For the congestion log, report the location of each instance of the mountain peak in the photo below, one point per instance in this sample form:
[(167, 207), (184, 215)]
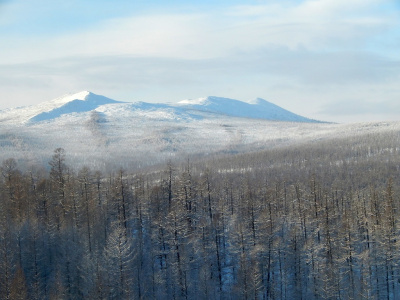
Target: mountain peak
[(209, 102), (257, 101), (198, 101), (83, 101), (83, 95), (255, 109)]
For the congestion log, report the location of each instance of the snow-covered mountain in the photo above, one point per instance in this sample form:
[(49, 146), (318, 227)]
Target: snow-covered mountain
[(256, 109), (68, 104), (77, 103), (86, 101), (103, 133)]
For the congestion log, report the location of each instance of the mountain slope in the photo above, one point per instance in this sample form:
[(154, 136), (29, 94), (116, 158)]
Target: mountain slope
[(103, 133), (187, 109), (77, 103), (257, 109), (72, 103)]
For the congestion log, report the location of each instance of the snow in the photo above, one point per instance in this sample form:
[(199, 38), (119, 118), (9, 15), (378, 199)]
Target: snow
[(70, 103), (78, 103), (100, 132), (256, 101), (86, 101), (256, 109), (199, 101)]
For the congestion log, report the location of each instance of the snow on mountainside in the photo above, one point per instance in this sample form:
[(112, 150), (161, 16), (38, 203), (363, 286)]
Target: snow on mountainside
[(86, 101), (77, 103), (103, 133), (256, 109), (72, 103)]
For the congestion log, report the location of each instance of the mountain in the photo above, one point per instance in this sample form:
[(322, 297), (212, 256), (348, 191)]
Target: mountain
[(77, 103), (102, 133), (86, 101), (257, 109), (72, 103)]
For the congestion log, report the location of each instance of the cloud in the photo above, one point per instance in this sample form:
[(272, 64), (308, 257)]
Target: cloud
[(265, 74), (305, 54), (301, 66), (315, 25)]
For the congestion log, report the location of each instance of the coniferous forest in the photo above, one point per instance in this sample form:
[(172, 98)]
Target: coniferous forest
[(313, 221)]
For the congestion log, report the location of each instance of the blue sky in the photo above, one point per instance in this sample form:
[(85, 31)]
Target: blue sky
[(335, 60)]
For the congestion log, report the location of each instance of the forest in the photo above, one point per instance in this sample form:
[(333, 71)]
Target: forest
[(309, 221)]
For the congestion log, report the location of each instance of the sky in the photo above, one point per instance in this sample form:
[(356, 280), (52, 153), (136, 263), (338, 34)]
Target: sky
[(331, 60)]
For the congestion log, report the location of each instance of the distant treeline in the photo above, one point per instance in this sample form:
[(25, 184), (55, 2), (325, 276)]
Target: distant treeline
[(317, 221)]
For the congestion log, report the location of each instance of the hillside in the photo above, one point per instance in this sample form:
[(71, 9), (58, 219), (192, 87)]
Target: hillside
[(103, 133), (151, 201), (305, 221)]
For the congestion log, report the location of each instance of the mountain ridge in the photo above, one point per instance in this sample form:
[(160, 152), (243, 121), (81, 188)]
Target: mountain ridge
[(70, 103), (102, 133), (257, 109), (80, 102), (86, 101)]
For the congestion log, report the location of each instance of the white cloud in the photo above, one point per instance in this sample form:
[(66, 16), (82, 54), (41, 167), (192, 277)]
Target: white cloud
[(316, 25), (303, 56)]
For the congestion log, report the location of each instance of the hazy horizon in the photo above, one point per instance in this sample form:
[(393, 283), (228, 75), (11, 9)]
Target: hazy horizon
[(327, 60)]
